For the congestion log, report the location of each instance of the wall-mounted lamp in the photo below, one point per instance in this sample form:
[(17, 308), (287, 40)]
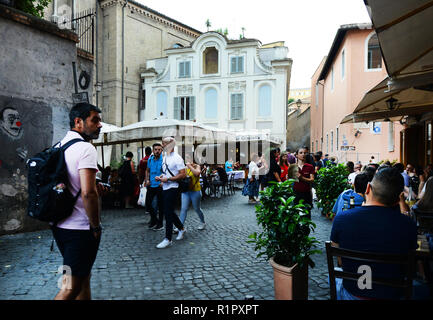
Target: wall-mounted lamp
[(391, 102), (298, 103), (357, 133)]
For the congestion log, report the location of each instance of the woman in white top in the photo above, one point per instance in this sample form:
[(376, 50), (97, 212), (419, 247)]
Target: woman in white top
[(251, 188)]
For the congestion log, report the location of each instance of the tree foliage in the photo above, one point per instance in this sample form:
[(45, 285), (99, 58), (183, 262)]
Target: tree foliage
[(33, 7), (286, 227), (330, 182)]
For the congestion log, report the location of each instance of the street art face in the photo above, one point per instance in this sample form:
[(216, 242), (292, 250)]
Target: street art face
[(10, 122)]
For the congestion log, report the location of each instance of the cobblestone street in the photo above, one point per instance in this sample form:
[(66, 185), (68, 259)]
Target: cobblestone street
[(216, 263)]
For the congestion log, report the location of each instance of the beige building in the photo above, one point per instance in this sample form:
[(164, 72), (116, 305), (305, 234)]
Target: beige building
[(353, 66), (301, 93), (128, 34)]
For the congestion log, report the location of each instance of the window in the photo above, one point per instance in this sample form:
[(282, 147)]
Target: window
[(185, 69), (211, 103), (336, 146), (184, 108), (161, 104), (236, 106), (332, 78), (143, 99), (265, 100), (237, 65), (343, 64), (327, 143), (332, 141), (210, 60), (374, 57), (317, 95)]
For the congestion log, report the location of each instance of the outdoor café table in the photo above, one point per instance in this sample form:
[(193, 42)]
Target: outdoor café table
[(239, 175)]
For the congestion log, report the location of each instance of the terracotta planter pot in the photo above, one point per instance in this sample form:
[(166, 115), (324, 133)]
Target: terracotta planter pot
[(290, 283)]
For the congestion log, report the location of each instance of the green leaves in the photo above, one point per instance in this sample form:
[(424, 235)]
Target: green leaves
[(286, 227), (329, 183), (33, 7)]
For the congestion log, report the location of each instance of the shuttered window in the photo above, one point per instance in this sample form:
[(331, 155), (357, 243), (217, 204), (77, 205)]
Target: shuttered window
[(237, 64), (236, 103), (185, 69), (184, 108)]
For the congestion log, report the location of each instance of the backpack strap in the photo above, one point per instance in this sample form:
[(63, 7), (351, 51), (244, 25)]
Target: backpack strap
[(70, 143)]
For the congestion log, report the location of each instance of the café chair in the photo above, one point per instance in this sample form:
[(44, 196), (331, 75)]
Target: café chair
[(406, 260)]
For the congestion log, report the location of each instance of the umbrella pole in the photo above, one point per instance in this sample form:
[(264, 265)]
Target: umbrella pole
[(103, 163)]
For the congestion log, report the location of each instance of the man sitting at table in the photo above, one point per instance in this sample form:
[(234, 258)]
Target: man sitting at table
[(223, 178), (377, 226)]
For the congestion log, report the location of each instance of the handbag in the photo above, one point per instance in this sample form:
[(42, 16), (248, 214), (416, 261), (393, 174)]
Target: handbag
[(142, 197)]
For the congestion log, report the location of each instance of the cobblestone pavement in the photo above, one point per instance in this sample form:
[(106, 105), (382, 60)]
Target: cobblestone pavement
[(216, 263)]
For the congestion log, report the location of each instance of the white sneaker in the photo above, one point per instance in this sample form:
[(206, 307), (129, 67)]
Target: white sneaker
[(202, 226), (181, 234), (175, 230), (164, 244)]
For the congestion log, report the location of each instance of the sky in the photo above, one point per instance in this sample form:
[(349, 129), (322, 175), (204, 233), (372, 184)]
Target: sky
[(307, 27)]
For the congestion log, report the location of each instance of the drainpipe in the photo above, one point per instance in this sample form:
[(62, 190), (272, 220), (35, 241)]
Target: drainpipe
[(96, 51), (323, 112), (123, 67)]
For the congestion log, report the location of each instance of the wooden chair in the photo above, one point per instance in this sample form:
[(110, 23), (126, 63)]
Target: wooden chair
[(424, 221), (406, 260)]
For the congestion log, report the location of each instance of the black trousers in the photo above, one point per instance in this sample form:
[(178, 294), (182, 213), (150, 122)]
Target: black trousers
[(150, 195), (169, 198), (308, 200)]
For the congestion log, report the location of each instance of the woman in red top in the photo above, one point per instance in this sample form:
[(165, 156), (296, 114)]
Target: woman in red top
[(284, 165), (306, 178)]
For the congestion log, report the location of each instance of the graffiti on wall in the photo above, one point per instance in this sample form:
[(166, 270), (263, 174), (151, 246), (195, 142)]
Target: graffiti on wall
[(25, 129)]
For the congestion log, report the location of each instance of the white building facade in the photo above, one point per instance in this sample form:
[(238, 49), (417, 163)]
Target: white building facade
[(228, 84)]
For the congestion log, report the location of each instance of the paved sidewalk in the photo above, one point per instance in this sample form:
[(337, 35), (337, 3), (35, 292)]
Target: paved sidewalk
[(216, 263)]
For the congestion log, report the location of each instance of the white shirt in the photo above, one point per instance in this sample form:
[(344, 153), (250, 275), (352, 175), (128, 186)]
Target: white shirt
[(352, 177), (253, 168), (175, 163)]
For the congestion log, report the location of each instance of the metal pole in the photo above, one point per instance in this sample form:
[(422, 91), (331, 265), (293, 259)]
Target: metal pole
[(75, 76)]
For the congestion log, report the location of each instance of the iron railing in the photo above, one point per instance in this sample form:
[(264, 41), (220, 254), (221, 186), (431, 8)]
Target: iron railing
[(83, 24)]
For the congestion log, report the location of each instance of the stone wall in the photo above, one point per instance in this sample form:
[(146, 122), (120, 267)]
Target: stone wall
[(36, 86), (298, 129)]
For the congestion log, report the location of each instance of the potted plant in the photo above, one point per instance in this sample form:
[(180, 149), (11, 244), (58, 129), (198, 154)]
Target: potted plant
[(285, 240), (330, 182)]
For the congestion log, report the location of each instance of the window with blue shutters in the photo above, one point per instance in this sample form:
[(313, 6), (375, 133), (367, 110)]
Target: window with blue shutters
[(184, 108), (185, 69), (236, 106), (237, 64)]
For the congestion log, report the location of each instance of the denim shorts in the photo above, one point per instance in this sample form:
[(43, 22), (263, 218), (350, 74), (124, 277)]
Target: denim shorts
[(78, 248)]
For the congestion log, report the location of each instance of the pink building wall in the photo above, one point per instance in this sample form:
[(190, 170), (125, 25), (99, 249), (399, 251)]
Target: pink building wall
[(343, 98)]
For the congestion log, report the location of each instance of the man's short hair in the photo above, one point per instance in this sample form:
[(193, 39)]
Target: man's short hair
[(81, 110), (148, 151), (387, 185), (156, 145), (361, 182), (129, 154), (168, 139), (399, 167)]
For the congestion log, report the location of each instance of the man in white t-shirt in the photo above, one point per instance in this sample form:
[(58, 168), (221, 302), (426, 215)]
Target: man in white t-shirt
[(78, 235), (173, 170), (353, 175)]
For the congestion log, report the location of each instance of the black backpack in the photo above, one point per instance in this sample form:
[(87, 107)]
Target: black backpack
[(50, 200)]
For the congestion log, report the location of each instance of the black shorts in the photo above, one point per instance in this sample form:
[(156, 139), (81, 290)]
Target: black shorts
[(78, 248)]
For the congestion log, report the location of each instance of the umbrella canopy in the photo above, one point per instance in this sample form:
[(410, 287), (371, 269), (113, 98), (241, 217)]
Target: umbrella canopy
[(409, 95), (404, 30), (154, 130)]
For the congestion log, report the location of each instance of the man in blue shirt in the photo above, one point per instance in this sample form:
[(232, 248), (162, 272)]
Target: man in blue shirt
[(377, 226), (229, 165), (154, 188), (343, 201)]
